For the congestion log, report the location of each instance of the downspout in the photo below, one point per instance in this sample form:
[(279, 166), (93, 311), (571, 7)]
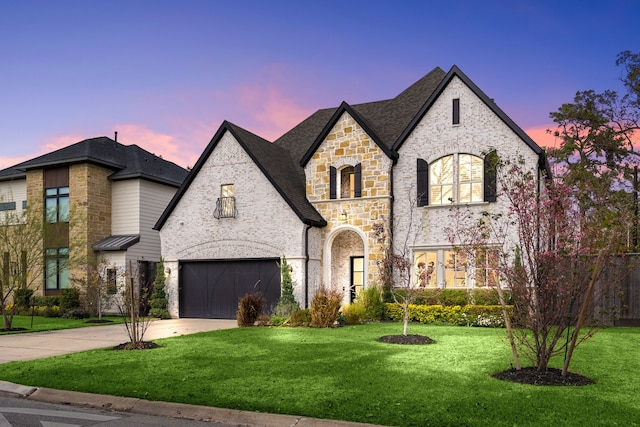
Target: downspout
[(306, 266)]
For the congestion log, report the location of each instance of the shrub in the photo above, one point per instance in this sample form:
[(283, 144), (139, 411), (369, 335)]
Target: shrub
[(48, 301), (249, 309), (77, 313), (371, 300), (300, 318), (454, 297), (69, 298), (22, 298), (354, 314), (469, 315), (158, 301), (325, 307)]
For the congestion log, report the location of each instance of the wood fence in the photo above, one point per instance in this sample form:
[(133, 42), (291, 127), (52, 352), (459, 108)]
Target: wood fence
[(622, 279)]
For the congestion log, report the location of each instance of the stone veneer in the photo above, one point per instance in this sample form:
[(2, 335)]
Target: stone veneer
[(348, 144), (90, 204), (35, 194)]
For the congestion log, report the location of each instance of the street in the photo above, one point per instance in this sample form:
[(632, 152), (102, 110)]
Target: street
[(15, 412)]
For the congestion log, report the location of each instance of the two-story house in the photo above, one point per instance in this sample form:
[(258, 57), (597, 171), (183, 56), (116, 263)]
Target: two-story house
[(317, 194), (100, 200)]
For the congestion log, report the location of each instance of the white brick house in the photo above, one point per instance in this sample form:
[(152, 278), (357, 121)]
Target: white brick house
[(315, 194)]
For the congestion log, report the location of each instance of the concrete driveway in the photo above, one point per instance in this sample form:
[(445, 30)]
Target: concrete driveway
[(54, 343)]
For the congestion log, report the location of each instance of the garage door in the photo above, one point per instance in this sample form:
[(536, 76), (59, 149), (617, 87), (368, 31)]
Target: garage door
[(211, 289)]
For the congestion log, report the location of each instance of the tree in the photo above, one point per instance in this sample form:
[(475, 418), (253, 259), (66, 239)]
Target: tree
[(596, 155), (158, 300), (21, 260), (544, 259), (129, 302)]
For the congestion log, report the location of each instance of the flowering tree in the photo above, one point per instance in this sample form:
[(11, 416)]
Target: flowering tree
[(544, 256)]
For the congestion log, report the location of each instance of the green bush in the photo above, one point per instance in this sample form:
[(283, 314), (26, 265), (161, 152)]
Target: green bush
[(48, 301), (451, 297), (22, 298), (300, 318), (489, 296), (469, 315), (249, 309), (158, 301), (325, 307), (354, 314), (371, 300), (427, 296), (69, 298)]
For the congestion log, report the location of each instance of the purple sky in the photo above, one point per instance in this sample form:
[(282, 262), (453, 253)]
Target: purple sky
[(165, 74)]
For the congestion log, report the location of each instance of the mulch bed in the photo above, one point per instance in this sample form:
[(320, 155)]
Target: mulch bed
[(146, 345), (551, 376), (407, 339)]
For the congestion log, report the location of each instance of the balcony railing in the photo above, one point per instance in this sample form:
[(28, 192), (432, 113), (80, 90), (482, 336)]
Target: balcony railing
[(225, 208)]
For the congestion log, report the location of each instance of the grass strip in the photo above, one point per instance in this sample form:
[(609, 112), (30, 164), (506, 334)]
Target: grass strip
[(41, 323)]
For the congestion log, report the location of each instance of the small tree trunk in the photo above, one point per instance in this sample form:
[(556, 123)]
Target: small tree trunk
[(134, 328), (583, 311), (405, 329), (507, 323)]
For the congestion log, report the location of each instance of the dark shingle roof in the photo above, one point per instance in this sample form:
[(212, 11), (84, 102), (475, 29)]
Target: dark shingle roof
[(388, 122), (127, 161), (273, 161)]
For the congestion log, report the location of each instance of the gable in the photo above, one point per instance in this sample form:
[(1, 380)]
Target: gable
[(274, 164)]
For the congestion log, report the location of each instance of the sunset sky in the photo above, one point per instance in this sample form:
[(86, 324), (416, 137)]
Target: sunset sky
[(165, 74)]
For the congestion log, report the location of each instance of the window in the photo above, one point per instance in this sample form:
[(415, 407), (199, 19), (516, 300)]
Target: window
[(455, 269), (57, 204), (486, 263), (448, 268), (57, 269), (8, 206), (470, 178), (226, 203), (441, 181), (112, 287), (456, 111), (357, 276), (346, 182), (456, 178)]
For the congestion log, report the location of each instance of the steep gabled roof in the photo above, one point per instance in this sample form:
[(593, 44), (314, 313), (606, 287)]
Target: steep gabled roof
[(456, 72), (384, 120), (127, 161), (345, 108), (274, 162)]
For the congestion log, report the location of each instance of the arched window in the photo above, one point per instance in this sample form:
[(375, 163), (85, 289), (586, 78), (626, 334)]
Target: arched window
[(457, 178), (441, 181), (347, 181)]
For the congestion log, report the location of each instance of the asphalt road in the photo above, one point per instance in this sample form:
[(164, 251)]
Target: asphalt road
[(15, 412)]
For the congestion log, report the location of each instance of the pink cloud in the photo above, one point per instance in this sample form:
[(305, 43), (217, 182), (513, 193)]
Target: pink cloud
[(542, 137)]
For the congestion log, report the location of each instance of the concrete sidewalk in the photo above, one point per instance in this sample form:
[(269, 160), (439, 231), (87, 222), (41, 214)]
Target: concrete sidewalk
[(39, 345), (45, 344)]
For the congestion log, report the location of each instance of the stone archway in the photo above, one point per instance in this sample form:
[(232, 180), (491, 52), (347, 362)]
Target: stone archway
[(346, 250)]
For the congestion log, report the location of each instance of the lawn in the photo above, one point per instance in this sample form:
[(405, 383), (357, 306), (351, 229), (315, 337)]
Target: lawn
[(345, 374), (41, 323)]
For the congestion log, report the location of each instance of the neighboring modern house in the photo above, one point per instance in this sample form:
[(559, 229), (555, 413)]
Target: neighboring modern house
[(100, 200), (316, 195)]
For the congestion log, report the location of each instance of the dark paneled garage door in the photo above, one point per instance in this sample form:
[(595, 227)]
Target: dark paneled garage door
[(211, 289)]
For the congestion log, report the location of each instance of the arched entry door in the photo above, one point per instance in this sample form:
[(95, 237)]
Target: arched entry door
[(347, 263)]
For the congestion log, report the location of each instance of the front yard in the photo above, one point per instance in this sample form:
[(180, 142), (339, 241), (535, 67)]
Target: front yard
[(27, 324), (345, 373)]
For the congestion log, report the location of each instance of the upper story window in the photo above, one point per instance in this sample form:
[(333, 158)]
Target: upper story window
[(456, 111), (456, 178), (226, 203), (8, 206), (57, 204), (345, 182)]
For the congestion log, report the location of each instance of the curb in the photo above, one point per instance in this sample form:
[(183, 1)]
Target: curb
[(167, 409)]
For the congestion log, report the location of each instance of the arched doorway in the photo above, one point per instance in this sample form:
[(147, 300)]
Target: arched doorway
[(347, 262)]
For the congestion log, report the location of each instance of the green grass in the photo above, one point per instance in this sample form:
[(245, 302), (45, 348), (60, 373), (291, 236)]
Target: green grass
[(346, 374), (41, 323)]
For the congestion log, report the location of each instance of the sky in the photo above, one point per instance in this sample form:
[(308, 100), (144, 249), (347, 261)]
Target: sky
[(166, 74)]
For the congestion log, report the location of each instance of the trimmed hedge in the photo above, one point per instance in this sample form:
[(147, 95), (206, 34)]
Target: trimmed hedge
[(468, 315)]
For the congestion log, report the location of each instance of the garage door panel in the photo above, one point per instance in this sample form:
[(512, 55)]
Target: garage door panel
[(212, 289)]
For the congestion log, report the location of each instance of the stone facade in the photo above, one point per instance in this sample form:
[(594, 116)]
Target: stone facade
[(347, 144)]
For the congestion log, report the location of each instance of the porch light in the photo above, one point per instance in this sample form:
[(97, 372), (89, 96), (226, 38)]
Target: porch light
[(344, 216)]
